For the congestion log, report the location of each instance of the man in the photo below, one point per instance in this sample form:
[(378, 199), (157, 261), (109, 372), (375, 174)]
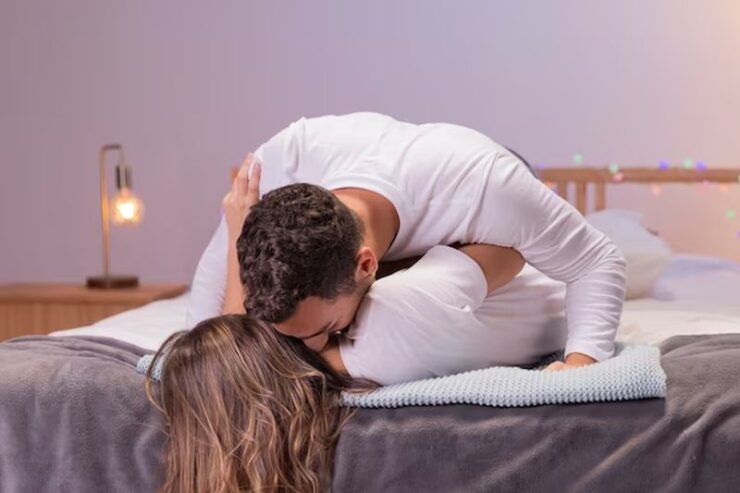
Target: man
[(408, 187)]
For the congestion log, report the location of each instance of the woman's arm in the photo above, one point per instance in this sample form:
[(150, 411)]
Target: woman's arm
[(235, 297), (215, 275), (237, 203), (208, 288)]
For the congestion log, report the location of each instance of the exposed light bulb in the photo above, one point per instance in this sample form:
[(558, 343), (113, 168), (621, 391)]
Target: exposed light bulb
[(127, 208)]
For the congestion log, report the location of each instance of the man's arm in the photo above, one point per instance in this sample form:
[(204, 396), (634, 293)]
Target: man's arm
[(552, 236)]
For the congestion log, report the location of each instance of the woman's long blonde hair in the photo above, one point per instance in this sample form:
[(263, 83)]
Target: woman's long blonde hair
[(246, 409)]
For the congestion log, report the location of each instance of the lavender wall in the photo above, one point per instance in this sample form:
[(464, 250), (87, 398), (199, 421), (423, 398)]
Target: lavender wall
[(188, 87)]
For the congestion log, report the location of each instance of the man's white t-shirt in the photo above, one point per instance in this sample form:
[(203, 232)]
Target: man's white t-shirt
[(448, 184), (435, 319)]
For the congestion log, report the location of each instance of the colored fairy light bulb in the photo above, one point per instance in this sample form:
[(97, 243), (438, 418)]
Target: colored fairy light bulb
[(664, 165), (701, 166), (687, 163), (617, 176), (730, 214), (577, 158), (655, 189), (613, 168)]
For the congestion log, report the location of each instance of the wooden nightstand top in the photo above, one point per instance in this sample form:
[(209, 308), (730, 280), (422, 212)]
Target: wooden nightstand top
[(79, 293)]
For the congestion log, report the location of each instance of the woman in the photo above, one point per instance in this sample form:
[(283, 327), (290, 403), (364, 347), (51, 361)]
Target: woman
[(247, 409)]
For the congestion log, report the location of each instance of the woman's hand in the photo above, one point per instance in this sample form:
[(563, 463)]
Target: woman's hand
[(244, 193)]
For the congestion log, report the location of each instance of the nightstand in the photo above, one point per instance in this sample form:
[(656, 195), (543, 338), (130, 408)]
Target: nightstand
[(27, 309)]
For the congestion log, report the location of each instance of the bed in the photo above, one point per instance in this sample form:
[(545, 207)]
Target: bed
[(688, 442)]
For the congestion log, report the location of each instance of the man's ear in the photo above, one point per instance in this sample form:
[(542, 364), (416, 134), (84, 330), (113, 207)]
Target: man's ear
[(366, 263)]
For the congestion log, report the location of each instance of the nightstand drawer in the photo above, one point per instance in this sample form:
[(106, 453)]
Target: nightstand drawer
[(27, 309)]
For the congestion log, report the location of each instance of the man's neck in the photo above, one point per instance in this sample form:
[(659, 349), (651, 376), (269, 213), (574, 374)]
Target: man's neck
[(378, 215)]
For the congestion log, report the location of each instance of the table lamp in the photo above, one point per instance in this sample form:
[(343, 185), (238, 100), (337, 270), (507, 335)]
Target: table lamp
[(127, 210)]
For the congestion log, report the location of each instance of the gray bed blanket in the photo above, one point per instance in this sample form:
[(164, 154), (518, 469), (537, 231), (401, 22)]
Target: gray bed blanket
[(689, 442), (73, 417)]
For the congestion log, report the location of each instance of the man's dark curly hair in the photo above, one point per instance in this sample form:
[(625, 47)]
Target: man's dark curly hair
[(297, 241)]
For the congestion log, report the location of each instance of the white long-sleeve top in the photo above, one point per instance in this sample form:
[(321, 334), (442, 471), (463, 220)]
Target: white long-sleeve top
[(448, 184)]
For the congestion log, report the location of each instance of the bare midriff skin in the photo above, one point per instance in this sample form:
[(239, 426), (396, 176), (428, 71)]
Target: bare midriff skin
[(381, 224)]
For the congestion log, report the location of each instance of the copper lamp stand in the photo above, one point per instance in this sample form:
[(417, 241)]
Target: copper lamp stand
[(123, 178)]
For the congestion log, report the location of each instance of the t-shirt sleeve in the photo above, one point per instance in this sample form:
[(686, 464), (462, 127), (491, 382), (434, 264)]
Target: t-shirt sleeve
[(449, 276), (208, 288), (555, 238)]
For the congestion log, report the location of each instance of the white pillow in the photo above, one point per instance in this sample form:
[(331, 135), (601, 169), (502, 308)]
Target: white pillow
[(647, 255)]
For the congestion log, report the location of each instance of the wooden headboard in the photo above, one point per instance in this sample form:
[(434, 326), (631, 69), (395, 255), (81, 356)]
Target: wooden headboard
[(559, 180)]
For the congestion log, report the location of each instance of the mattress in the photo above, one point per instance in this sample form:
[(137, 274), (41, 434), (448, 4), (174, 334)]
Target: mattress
[(695, 295)]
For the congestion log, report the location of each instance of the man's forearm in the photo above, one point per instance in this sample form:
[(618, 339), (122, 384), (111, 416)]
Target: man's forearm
[(234, 299)]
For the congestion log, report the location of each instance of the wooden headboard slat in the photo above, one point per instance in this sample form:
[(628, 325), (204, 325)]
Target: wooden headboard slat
[(600, 197), (559, 178), (581, 196), (639, 175)]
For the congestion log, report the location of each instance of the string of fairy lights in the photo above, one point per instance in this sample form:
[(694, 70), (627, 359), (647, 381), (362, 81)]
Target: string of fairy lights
[(655, 189)]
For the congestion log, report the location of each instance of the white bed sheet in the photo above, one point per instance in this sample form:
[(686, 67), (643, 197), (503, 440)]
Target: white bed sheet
[(695, 295), (147, 326)]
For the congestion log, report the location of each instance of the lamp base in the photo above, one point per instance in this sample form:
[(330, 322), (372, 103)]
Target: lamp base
[(112, 282)]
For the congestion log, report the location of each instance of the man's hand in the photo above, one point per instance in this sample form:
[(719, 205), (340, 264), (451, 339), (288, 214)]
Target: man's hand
[(244, 193), (573, 360)]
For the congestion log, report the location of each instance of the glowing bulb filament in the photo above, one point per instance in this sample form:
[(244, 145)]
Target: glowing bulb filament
[(127, 208)]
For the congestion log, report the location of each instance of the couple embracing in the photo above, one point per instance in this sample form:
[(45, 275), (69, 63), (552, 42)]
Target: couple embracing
[(359, 250)]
